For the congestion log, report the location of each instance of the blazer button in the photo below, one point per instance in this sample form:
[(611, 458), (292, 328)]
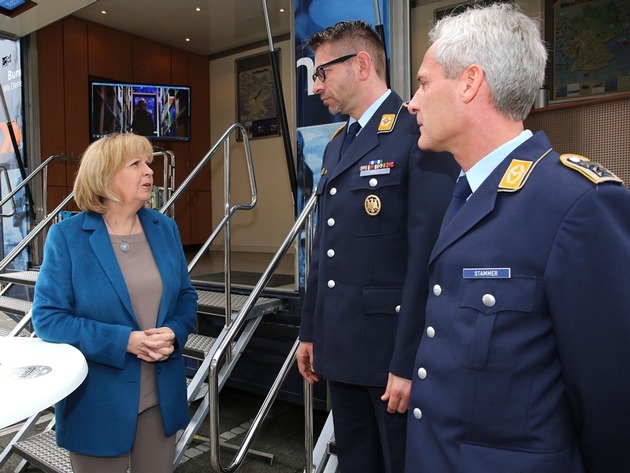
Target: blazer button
[(430, 332), (422, 373), (437, 290), (330, 253), (488, 300), (332, 191), (417, 413), (331, 283), (373, 182), (331, 222), (397, 309)]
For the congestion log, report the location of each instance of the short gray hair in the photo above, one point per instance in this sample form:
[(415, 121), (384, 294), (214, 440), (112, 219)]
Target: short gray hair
[(507, 45)]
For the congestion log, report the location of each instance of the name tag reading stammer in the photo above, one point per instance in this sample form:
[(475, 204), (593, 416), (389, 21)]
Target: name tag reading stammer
[(487, 273)]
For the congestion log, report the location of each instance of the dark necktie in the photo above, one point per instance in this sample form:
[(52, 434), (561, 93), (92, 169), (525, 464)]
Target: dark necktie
[(349, 138), (460, 194)]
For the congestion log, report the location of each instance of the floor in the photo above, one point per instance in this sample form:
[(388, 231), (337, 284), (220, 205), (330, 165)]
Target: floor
[(281, 438)]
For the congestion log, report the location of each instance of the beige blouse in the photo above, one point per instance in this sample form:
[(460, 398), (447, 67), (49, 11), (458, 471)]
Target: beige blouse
[(144, 284)]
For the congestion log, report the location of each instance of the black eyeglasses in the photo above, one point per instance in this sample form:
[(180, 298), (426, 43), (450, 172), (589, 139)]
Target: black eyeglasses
[(320, 71)]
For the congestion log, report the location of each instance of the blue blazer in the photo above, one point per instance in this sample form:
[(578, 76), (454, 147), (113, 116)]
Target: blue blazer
[(81, 299), (527, 370), (356, 311)]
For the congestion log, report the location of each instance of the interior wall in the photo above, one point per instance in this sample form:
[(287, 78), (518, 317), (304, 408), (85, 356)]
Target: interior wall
[(596, 129), (264, 228), (421, 19)]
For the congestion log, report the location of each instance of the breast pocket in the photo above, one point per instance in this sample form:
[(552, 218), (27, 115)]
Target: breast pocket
[(378, 202), (490, 324)]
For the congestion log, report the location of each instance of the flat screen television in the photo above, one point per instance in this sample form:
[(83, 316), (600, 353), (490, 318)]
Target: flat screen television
[(159, 112)]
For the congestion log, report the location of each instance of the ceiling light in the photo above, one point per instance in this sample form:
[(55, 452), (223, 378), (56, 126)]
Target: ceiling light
[(104, 12), (198, 9), (188, 40)]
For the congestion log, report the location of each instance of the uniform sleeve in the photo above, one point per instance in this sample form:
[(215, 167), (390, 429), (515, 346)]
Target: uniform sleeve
[(588, 285), (310, 296)]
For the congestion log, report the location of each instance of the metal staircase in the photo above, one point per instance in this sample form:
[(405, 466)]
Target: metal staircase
[(215, 357)]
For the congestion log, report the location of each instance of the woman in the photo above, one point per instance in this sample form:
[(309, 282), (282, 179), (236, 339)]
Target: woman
[(114, 283)]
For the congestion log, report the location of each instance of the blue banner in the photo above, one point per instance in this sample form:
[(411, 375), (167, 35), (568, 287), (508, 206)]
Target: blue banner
[(315, 125)]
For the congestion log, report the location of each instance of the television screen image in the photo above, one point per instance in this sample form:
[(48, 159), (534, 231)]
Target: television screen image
[(158, 112)]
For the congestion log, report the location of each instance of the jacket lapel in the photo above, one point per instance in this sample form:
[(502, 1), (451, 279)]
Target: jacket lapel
[(480, 204), (367, 139), (483, 200), (102, 248)]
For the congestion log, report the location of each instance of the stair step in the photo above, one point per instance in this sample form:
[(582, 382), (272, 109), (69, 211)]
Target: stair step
[(25, 278), (41, 451), (15, 306), (6, 331), (213, 303), (198, 346)]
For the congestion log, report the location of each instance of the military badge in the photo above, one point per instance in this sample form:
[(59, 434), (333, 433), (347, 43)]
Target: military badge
[(515, 176), (372, 205), (595, 172), (387, 122)]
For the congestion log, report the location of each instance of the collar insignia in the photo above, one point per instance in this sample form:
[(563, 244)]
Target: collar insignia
[(387, 122), (516, 175)]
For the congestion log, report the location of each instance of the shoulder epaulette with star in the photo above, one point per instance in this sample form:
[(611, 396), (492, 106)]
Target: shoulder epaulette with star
[(593, 171)]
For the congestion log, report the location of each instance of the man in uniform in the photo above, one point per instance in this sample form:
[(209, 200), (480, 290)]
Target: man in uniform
[(380, 205), (523, 366)]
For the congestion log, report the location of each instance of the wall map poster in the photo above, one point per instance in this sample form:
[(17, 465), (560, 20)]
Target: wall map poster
[(256, 96), (591, 47)]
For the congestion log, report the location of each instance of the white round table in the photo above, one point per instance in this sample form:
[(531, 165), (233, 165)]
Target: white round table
[(35, 374)]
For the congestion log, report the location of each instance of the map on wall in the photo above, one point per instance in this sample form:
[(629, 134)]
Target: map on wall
[(591, 47), (256, 97)]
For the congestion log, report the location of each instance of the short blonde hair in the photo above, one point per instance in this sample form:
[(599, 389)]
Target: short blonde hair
[(99, 164)]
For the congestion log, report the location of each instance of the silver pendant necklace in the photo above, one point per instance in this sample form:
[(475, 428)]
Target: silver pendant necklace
[(124, 246)]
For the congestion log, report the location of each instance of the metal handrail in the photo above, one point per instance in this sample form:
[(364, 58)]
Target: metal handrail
[(224, 344), (168, 178), (33, 233), (5, 174), (230, 209)]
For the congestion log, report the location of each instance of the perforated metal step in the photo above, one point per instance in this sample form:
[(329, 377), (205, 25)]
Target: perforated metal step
[(15, 306), (25, 278), (198, 346), (213, 303), (5, 331), (41, 451)]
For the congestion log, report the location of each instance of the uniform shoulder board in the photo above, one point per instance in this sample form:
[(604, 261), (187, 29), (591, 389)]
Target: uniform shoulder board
[(340, 130), (595, 172)]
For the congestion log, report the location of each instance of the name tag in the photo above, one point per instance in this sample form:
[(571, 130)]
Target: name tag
[(487, 273)]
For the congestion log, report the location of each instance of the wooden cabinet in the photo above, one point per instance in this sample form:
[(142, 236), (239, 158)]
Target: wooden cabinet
[(73, 50)]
